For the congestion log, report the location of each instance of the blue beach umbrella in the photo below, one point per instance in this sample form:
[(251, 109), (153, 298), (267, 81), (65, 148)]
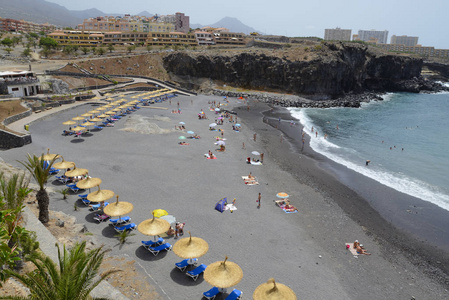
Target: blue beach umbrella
[(190, 132), (182, 137), (238, 125)]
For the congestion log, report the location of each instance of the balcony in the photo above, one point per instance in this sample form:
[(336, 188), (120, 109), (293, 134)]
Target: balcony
[(21, 81)]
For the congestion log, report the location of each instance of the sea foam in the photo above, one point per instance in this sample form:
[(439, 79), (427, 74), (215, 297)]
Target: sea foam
[(395, 180)]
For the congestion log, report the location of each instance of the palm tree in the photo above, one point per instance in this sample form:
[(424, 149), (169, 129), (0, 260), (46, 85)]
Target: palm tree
[(74, 278), (40, 170), (13, 191)]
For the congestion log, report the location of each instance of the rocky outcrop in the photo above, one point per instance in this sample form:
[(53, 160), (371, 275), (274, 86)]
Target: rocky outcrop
[(58, 86), (438, 71), (337, 70), (349, 100)]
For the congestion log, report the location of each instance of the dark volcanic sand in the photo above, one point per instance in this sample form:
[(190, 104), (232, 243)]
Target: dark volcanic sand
[(400, 223)]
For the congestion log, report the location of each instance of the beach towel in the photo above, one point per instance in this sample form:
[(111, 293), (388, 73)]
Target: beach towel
[(351, 248), (249, 182), (290, 211), (230, 206), (256, 163)]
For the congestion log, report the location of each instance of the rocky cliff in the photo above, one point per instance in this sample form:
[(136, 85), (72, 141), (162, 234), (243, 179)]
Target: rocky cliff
[(332, 70)]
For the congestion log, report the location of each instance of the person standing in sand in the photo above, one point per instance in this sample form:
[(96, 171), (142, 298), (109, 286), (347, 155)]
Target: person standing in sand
[(258, 200), (255, 135)]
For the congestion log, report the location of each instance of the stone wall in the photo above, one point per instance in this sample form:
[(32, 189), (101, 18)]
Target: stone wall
[(10, 140), (17, 117)]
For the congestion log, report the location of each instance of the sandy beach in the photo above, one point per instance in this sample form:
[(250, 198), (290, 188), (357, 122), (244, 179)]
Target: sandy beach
[(304, 250)]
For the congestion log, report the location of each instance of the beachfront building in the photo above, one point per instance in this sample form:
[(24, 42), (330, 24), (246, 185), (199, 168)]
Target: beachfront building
[(127, 23), (12, 25), (124, 38), (229, 38), (171, 39), (204, 38), (405, 40), (154, 26), (418, 49), (19, 83), (79, 38), (370, 36), (337, 34), (180, 21)]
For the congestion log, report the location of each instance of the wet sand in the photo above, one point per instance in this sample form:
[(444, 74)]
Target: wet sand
[(305, 251)]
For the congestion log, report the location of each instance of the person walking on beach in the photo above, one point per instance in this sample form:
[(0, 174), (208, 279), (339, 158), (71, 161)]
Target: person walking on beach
[(258, 201), (243, 146), (255, 135)]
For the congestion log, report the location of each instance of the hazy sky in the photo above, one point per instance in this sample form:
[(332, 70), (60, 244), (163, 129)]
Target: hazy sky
[(425, 19)]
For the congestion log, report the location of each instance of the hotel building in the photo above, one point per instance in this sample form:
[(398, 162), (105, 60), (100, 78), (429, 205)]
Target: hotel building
[(410, 41), (373, 35), (79, 38), (425, 51), (11, 25), (337, 34)]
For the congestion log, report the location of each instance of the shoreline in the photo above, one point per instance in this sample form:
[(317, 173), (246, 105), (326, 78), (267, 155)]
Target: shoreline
[(381, 210)]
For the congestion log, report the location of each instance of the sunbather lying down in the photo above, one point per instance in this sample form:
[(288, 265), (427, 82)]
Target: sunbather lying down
[(282, 202), (183, 143), (359, 248)]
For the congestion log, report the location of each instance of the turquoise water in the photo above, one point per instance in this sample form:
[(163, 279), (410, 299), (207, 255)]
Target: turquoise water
[(406, 138)]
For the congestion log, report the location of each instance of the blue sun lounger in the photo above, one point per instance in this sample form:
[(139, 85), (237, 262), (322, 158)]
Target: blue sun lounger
[(73, 187), (156, 250), (62, 179), (153, 243), (53, 171), (196, 272), (130, 226), (234, 295), (97, 206), (120, 221), (182, 265), (210, 294)]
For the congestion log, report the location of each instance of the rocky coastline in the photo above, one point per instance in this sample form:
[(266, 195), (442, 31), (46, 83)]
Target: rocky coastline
[(354, 100), (333, 75)]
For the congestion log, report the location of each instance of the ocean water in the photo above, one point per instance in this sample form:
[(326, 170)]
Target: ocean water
[(405, 137)]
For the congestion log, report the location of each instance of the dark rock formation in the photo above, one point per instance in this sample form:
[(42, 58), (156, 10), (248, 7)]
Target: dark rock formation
[(338, 69), (439, 71)]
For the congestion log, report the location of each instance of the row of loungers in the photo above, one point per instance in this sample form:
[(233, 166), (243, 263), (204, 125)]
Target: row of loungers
[(213, 292)]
